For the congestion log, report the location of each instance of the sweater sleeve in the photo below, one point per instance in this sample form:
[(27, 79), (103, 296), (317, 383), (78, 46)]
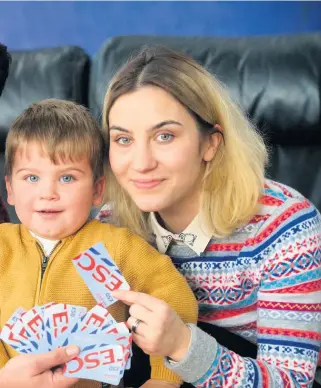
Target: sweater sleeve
[(3, 355), (146, 270), (288, 313)]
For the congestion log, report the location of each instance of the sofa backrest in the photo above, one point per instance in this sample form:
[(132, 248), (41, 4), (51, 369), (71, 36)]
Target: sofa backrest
[(276, 79), (35, 75)]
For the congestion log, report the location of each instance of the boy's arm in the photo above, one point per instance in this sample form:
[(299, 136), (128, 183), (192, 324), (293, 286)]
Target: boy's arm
[(4, 358), (146, 270)]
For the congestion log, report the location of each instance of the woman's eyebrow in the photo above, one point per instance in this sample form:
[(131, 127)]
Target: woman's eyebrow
[(156, 126), (166, 122), (117, 128)]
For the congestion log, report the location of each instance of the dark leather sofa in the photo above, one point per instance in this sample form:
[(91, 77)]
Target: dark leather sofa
[(276, 79)]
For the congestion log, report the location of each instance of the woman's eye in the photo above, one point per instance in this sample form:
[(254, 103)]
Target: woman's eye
[(32, 178), (165, 137), (123, 140), (66, 178)]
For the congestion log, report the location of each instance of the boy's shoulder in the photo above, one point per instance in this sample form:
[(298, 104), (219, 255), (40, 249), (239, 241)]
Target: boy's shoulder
[(8, 229), (108, 231)]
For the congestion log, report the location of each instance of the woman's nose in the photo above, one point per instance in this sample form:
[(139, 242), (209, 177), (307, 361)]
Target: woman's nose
[(143, 159)]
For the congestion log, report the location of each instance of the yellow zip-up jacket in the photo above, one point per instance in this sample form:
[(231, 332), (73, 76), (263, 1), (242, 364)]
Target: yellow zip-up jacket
[(145, 270)]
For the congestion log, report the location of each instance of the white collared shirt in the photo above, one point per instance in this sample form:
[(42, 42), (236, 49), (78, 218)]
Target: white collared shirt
[(195, 236)]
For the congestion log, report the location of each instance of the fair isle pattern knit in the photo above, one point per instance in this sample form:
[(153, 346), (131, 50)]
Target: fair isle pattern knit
[(264, 284)]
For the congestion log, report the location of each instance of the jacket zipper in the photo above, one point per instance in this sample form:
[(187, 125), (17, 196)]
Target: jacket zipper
[(45, 259)]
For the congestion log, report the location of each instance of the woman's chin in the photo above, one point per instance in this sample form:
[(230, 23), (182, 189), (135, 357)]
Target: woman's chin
[(149, 206)]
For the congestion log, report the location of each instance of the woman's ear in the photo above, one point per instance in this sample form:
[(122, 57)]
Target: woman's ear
[(213, 142), (99, 191)]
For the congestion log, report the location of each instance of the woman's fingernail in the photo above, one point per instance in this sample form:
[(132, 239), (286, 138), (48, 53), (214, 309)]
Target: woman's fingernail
[(72, 350)]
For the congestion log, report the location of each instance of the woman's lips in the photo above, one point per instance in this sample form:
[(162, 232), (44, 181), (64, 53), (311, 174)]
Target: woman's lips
[(147, 184)]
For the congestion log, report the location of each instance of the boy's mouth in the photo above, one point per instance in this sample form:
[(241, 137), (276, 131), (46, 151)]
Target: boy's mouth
[(49, 211)]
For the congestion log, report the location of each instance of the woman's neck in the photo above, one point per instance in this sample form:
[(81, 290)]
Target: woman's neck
[(177, 218)]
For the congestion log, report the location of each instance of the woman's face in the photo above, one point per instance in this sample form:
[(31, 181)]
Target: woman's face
[(156, 151)]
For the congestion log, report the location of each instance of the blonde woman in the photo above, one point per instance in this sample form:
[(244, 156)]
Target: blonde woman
[(186, 171)]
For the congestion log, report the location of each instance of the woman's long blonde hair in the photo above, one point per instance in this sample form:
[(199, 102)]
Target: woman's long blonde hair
[(233, 181)]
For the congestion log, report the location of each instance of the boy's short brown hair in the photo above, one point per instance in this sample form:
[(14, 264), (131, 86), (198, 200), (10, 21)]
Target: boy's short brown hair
[(65, 130)]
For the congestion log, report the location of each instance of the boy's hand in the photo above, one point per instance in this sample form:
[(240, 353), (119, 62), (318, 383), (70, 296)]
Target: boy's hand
[(153, 383), (35, 371)]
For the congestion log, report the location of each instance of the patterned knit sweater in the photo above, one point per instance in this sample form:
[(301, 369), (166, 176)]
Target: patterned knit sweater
[(264, 284)]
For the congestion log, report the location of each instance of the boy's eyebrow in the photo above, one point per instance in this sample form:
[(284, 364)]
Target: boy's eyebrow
[(70, 169), (67, 169), (27, 169), (157, 126)]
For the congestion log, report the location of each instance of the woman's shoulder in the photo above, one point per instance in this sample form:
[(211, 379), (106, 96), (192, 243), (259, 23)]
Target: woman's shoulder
[(278, 197), (106, 214), (281, 204)]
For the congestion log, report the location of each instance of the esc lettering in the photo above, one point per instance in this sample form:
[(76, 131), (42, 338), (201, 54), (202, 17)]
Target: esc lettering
[(91, 360), (99, 272)]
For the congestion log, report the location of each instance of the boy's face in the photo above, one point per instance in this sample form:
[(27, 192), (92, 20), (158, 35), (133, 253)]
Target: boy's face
[(52, 200)]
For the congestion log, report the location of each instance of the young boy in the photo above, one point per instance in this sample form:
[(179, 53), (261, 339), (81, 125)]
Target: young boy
[(54, 175)]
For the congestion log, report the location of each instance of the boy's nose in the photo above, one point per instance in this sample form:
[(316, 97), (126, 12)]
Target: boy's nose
[(49, 191)]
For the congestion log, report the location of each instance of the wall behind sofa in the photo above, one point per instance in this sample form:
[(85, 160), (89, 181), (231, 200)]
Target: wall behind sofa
[(27, 25)]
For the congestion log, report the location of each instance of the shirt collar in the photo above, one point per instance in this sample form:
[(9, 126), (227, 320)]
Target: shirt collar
[(194, 236)]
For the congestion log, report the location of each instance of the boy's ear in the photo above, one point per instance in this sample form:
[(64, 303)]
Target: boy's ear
[(10, 196), (99, 191)]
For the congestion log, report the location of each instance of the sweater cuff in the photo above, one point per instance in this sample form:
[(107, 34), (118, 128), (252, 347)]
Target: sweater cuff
[(160, 372), (199, 358)]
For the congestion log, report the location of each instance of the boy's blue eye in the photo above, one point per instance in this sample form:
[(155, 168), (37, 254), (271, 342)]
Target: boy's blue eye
[(33, 178), (66, 178)]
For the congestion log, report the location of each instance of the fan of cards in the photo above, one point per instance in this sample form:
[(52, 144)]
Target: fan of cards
[(105, 344)]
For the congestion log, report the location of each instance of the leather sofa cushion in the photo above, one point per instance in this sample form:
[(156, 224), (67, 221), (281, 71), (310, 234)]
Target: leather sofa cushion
[(35, 75)]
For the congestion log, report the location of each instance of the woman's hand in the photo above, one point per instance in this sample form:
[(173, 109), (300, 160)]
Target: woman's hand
[(35, 371), (160, 331)]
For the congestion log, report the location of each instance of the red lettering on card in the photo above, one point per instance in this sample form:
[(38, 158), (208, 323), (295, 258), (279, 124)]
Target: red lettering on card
[(79, 367), (92, 264), (101, 278), (114, 283), (35, 323), (90, 358), (12, 338), (97, 320), (109, 357), (60, 318)]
